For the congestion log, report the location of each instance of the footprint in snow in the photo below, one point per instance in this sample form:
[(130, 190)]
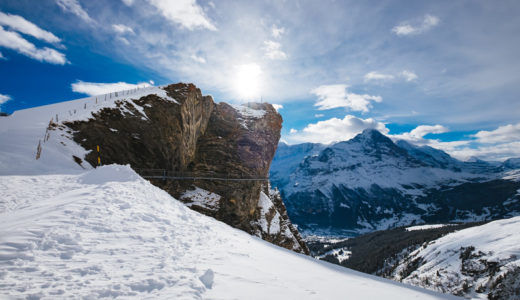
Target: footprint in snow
[(207, 278)]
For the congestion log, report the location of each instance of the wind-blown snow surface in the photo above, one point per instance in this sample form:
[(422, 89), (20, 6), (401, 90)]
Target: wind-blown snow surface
[(107, 233)]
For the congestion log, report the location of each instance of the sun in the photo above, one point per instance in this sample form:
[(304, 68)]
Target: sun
[(247, 81)]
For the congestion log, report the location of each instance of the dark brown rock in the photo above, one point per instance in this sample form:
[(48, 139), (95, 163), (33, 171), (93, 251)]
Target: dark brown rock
[(198, 137)]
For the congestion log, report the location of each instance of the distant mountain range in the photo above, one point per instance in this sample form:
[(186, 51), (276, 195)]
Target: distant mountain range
[(371, 183)]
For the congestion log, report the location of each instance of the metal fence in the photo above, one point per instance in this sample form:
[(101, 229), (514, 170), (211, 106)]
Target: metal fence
[(174, 175)]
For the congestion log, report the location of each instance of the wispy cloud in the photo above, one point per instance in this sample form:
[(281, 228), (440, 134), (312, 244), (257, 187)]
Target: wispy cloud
[(277, 32), (95, 88), (128, 2), (14, 41), (408, 75), (273, 50), (334, 130), (122, 29), (374, 75), (186, 13), (74, 7), (21, 25), (2, 56), (416, 27), (198, 59), (336, 95), (4, 99)]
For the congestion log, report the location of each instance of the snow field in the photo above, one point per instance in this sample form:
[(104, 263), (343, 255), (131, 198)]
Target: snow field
[(108, 233)]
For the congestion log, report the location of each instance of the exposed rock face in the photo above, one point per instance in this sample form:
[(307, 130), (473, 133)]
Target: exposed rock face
[(190, 134)]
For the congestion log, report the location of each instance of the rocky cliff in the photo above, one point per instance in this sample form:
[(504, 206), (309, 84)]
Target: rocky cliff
[(192, 137)]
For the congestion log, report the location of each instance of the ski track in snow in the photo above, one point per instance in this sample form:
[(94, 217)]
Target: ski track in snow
[(109, 233)]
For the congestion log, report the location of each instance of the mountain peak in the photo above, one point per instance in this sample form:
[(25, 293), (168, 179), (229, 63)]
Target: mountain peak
[(373, 136)]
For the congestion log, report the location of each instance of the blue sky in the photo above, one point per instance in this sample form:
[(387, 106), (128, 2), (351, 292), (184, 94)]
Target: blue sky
[(437, 73)]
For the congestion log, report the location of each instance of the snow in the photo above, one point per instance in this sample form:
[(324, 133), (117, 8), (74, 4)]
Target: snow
[(442, 263), (249, 112), (341, 254), (21, 132), (202, 198), (109, 233), (425, 227), (271, 226)]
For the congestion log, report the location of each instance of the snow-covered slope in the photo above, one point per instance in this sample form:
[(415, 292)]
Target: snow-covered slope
[(478, 262), (21, 132), (108, 233)]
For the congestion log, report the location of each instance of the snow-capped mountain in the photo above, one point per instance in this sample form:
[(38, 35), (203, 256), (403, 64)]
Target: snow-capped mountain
[(473, 260), (478, 262), (371, 183)]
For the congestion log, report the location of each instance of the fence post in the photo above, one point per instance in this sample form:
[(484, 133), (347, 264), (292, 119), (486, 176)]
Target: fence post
[(98, 157)]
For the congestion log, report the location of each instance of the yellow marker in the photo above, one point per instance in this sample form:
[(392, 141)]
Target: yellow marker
[(99, 160), (97, 148)]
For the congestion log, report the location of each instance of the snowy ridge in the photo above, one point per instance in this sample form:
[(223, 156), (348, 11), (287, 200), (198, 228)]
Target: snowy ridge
[(109, 233), (424, 227), (24, 130), (468, 262)]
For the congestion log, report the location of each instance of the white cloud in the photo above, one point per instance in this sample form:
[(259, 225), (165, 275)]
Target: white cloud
[(12, 40), (21, 25), (185, 13), (499, 152), (408, 75), (94, 88), (414, 28), (198, 59), (333, 130), (417, 134), (277, 106), (334, 96), (502, 134), (74, 7), (4, 99), (2, 56), (277, 32), (122, 29), (377, 76), (292, 131), (128, 2), (319, 115), (494, 145), (273, 50), (123, 40)]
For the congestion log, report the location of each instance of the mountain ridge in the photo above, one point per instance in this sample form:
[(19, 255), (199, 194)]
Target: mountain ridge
[(371, 183)]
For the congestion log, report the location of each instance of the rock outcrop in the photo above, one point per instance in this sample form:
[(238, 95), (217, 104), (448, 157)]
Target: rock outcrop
[(191, 136)]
